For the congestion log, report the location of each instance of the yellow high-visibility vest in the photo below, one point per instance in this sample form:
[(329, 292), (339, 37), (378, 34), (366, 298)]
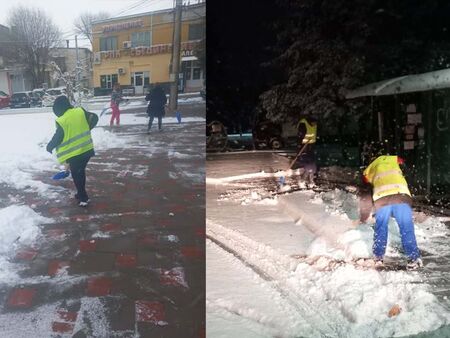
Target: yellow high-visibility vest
[(77, 135), (386, 177), (311, 131)]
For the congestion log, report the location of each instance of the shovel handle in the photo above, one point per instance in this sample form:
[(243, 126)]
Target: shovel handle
[(298, 154)]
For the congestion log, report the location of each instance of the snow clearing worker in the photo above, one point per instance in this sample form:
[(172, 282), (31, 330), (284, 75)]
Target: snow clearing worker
[(156, 106), (307, 135), (391, 197), (73, 142)]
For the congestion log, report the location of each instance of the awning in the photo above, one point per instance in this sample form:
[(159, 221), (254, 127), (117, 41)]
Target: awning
[(439, 79), (189, 58)]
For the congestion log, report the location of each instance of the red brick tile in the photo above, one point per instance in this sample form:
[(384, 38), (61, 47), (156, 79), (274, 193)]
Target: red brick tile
[(99, 206), (150, 312), (55, 233), (126, 261), (26, 254), (146, 203), (87, 245), (55, 266), (164, 222), (55, 211), (192, 252), (173, 277), (111, 227), (79, 218), (178, 208), (68, 316), (62, 327), (99, 286), (147, 239), (21, 298)]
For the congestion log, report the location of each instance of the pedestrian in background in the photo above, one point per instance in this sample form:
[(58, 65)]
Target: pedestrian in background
[(156, 107), (391, 197), (116, 99), (73, 142)]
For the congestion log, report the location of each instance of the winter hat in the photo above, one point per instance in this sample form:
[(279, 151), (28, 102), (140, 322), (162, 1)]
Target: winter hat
[(60, 105)]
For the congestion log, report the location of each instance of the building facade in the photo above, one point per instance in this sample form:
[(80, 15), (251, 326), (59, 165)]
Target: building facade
[(136, 51)]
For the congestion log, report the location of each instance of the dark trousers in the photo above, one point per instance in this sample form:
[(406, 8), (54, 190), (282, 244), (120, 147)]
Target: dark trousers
[(78, 170), (150, 122)]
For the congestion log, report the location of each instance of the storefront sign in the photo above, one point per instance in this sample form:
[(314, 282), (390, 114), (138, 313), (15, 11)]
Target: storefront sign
[(111, 54), (123, 26), (156, 49), (187, 53)]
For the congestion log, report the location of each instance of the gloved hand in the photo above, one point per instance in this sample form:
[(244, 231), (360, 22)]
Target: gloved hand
[(49, 149)]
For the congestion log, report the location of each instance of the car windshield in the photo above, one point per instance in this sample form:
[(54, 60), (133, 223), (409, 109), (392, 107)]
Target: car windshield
[(54, 92), (3, 93), (19, 95)]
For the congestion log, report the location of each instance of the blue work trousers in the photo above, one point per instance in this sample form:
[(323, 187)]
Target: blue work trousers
[(402, 213)]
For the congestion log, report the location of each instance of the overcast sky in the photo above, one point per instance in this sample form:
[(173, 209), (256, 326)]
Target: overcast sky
[(64, 12)]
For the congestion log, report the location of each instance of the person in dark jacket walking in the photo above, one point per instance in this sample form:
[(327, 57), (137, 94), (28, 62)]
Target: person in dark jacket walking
[(155, 108), (73, 143)]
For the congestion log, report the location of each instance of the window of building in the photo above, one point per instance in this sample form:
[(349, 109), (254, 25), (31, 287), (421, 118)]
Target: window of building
[(108, 81), (196, 31), (193, 70), (139, 39), (109, 43)]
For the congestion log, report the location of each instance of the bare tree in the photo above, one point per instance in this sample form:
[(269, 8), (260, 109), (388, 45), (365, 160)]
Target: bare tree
[(83, 24), (34, 35)]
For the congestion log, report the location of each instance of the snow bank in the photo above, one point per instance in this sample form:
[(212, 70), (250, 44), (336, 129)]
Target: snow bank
[(337, 300), (18, 226)]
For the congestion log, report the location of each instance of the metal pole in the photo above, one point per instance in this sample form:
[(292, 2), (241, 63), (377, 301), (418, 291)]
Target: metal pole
[(176, 47), (429, 124)]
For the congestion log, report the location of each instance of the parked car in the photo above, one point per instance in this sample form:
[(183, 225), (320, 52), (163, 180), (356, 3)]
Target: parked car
[(20, 100), (4, 99), (36, 97), (51, 94)]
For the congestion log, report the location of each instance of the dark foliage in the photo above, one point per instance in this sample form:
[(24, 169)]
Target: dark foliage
[(318, 49)]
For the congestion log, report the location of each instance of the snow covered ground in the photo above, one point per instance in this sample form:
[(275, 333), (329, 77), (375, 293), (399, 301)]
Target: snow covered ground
[(23, 157), (276, 264)]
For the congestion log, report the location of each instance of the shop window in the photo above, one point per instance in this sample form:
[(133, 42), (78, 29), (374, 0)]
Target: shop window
[(196, 74), (193, 70), (196, 31), (108, 81), (109, 43), (141, 39), (140, 78)]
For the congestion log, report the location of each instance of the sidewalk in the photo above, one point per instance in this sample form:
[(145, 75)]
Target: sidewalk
[(132, 263)]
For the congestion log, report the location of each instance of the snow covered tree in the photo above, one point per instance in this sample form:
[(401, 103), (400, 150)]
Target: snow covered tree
[(326, 47), (34, 34), (83, 24), (74, 89)]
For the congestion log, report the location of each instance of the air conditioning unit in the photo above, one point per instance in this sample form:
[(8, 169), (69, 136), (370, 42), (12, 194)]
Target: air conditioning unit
[(121, 71), (127, 44)]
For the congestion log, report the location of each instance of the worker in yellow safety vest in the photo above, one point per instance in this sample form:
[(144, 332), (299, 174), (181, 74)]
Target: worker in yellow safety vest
[(307, 135), (391, 197), (73, 142)]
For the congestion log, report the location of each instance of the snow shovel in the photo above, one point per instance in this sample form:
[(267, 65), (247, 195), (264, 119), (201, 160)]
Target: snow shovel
[(298, 155), (62, 174)]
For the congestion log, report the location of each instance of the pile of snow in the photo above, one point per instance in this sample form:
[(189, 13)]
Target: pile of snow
[(18, 227), (344, 301)]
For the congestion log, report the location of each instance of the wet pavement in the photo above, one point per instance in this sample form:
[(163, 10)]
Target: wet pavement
[(131, 264)]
